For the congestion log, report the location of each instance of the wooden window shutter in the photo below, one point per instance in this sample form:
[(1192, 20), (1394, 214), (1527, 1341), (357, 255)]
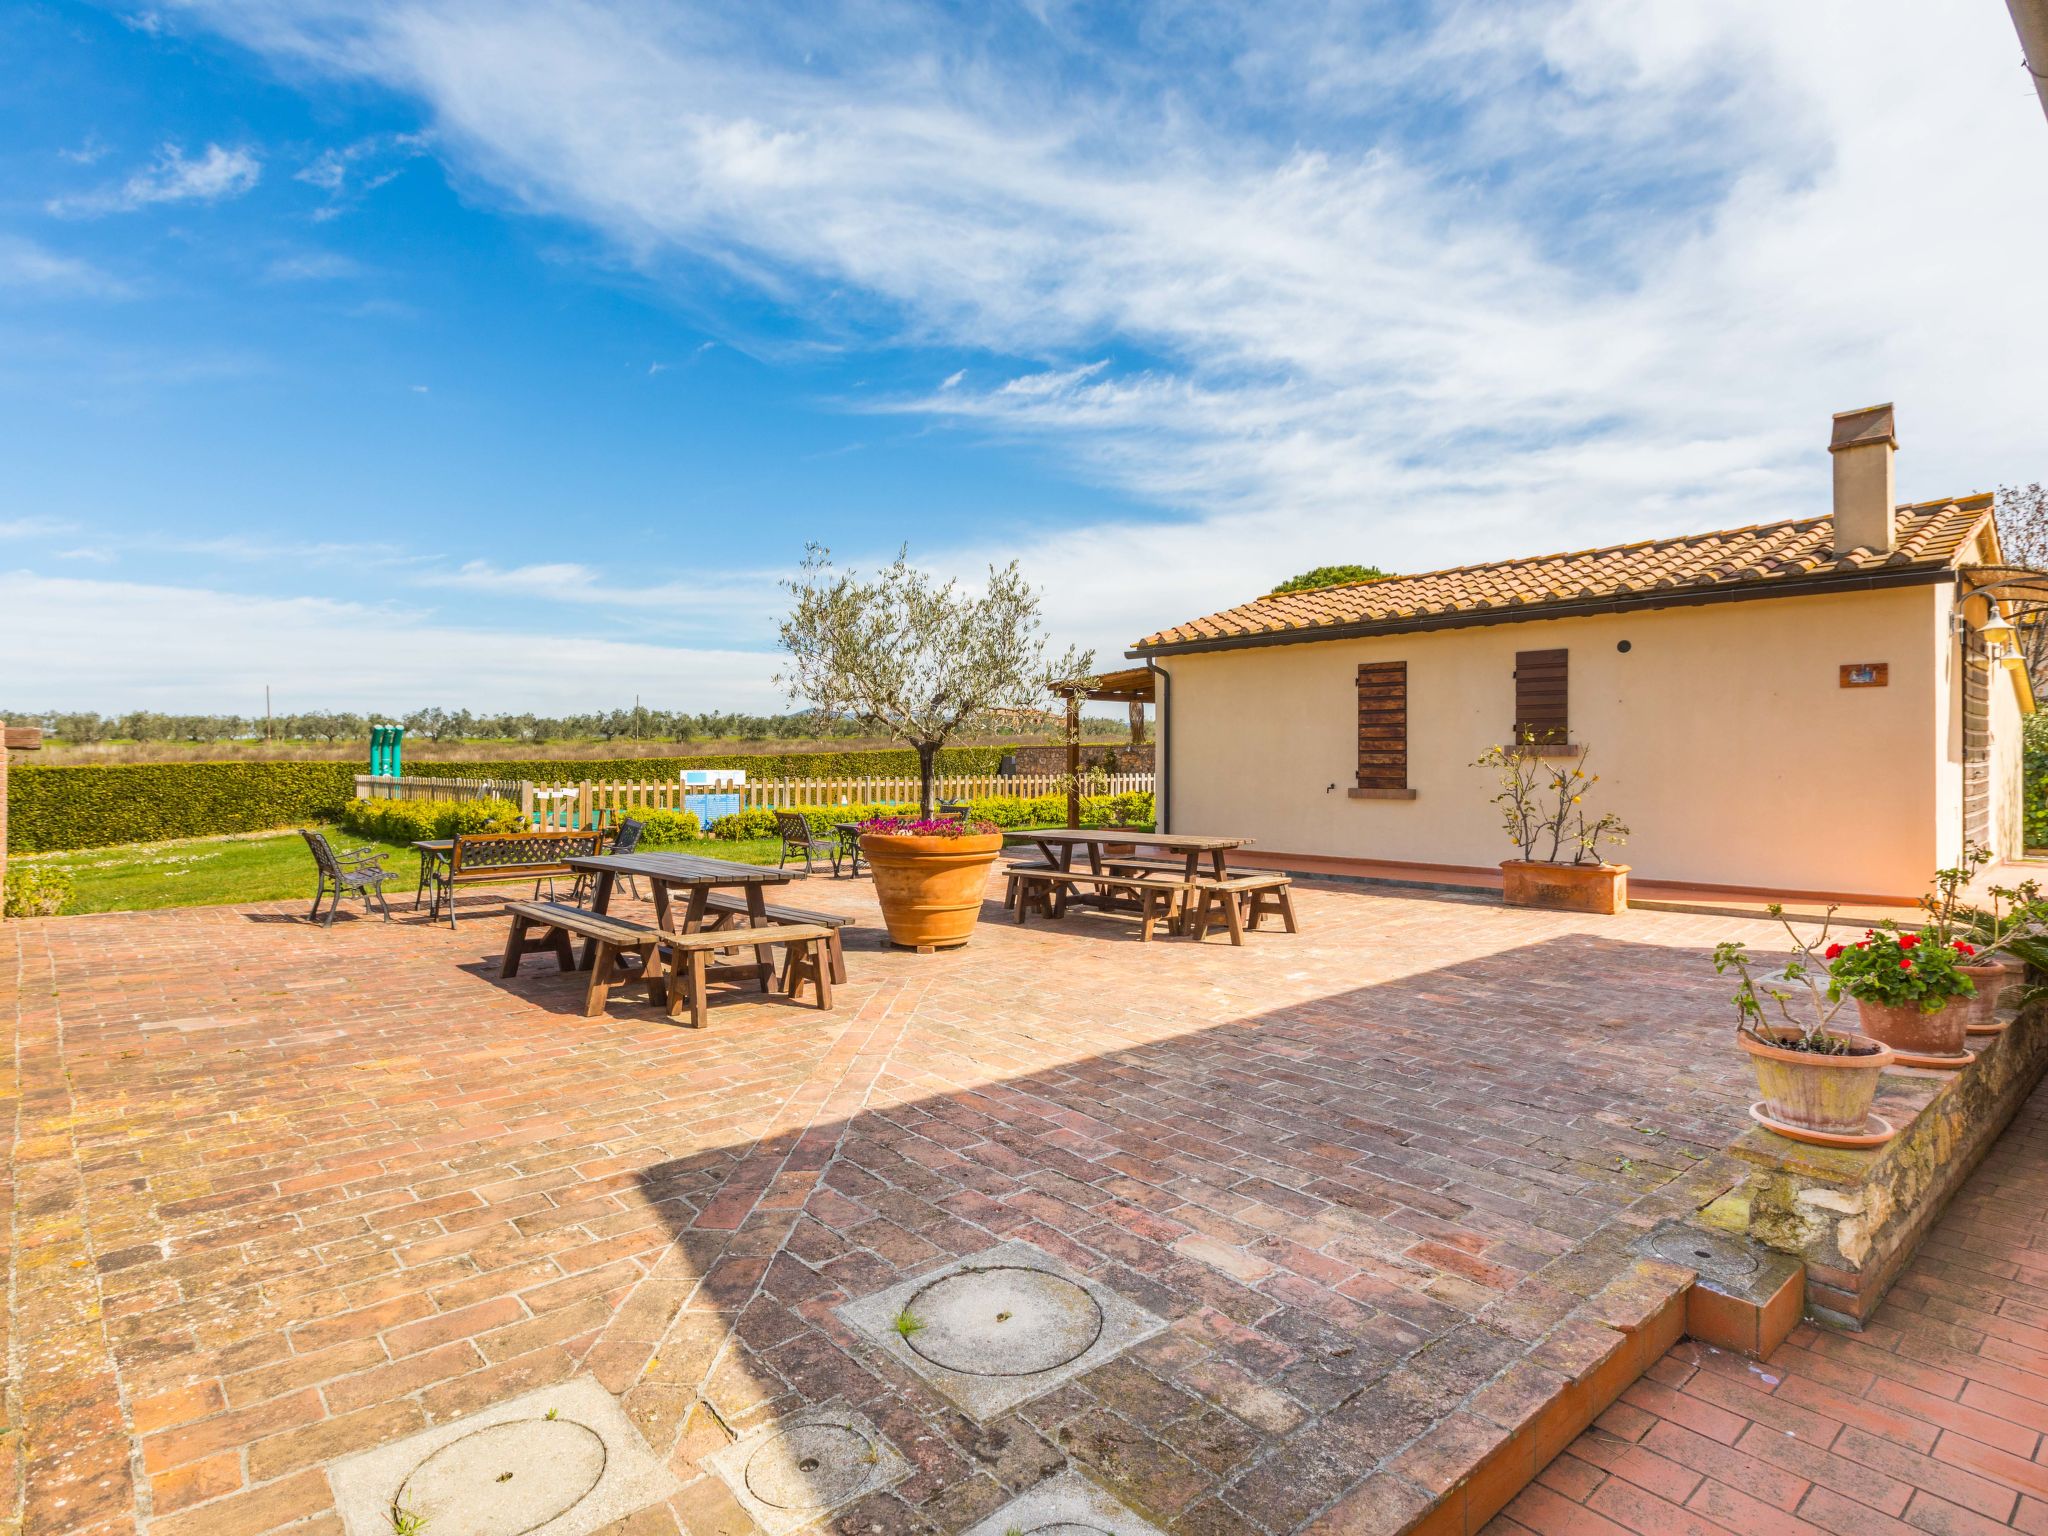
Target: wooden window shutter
[(1383, 725), (1542, 697)]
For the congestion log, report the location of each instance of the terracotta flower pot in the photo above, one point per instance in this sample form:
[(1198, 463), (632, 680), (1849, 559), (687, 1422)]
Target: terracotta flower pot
[(1903, 1027), (1815, 1092), (930, 887), (1599, 888), (1992, 978)]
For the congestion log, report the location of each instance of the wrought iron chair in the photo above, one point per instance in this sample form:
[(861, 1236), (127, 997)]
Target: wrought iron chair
[(797, 837), (626, 841), (357, 872)]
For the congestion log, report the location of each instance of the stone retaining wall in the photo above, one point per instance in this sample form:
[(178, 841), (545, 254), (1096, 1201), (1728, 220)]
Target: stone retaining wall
[(1855, 1217)]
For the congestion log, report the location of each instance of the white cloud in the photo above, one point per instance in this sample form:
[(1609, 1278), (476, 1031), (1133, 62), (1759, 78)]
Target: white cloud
[(313, 267), (1534, 277), (216, 175), (33, 527), (80, 641), (24, 264)]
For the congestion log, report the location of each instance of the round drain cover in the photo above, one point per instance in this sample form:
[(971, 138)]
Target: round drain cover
[(1067, 1528), (813, 1466), (504, 1480), (1004, 1321), (1706, 1252)]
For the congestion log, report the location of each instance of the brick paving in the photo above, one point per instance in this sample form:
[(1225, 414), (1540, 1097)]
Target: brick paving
[(278, 1195), (1931, 1420)]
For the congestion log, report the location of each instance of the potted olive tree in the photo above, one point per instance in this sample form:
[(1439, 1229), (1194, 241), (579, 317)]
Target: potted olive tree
[(1817, 1082), (1542, 804), (921, 660)]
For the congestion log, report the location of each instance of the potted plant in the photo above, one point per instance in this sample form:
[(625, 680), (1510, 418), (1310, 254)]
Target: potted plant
[(1543, 811), (2013, 922), (1908, 987), (1817, 1082), (930, 876), (917, 658)]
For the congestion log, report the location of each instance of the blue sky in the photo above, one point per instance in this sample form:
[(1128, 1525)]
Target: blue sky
[(506, 354)]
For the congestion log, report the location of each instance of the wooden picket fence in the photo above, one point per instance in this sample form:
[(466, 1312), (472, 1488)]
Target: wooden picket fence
[(380, 787), (596, 802)]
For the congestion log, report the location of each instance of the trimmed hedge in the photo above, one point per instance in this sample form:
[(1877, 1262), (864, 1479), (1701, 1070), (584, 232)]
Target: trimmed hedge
[(95, 805), (408, 821), (1003, 810), (895, 762), (100, 804)]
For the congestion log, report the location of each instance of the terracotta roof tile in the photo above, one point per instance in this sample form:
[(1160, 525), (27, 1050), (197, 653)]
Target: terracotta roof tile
[(1931, 536)]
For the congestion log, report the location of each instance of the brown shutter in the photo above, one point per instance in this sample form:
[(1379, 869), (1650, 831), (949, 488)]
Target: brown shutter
[(1542, 697), (1383, 725)]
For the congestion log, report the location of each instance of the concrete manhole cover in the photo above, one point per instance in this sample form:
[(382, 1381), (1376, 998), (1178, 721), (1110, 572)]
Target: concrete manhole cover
[(557, 1461), (504, 1480), (1002, 1321), (1709, 1253), (792, 1472), (999, 1327), (1066, 1505)]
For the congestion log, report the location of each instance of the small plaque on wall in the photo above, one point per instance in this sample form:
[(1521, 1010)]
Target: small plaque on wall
[(1865, 674)]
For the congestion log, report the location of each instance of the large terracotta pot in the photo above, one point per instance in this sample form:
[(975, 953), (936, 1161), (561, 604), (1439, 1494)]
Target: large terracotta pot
[(930, 887), (1599, 888), (1815, 1092), (1904, 1028), (1980, 1013)]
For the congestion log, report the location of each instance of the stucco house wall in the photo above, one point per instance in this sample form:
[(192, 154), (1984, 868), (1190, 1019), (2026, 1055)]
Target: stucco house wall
[(1722, 736)]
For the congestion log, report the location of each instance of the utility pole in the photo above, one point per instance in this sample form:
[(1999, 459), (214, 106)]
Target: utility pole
[(266, 713)]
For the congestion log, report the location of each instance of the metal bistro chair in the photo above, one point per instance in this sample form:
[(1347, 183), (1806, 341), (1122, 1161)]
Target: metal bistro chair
[(795, 830), (626, 841), (357, 872)]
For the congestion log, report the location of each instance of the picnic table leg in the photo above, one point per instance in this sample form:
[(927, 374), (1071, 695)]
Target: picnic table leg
[(686, 988), (757, 917), (514, 947), (600, 899)]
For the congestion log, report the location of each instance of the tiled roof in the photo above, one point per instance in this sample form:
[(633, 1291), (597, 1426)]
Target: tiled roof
[(1931, 537)]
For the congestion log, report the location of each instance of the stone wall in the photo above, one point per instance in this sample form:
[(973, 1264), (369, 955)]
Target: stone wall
[(1855, 1217)]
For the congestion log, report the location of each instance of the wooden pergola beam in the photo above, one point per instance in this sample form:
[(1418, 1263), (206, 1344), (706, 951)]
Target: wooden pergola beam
[(13, 738)]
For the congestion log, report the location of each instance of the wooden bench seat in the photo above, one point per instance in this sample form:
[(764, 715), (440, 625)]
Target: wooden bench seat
[(728, 907), (1159, 898), (538, 925), (493, 858), (1239, 902), (810, 960)]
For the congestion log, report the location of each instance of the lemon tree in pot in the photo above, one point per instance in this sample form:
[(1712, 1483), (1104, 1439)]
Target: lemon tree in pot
[(1817, 1081), (923, 660), (1543, 811), (1909, 988)]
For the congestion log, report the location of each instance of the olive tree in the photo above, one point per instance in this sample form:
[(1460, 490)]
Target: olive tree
[(916, 658)]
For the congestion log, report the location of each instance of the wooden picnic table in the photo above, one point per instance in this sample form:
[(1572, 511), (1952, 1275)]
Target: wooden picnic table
[(667, 872), (1059, 844)]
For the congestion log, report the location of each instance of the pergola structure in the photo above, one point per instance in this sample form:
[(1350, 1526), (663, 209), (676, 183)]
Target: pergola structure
[(13, 738), (2015, 605), (1135, 685)]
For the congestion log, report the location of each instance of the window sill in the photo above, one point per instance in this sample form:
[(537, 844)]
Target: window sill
[(1555, 749), (1382, 794)]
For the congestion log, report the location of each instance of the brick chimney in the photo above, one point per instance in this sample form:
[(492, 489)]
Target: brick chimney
[(1862, 446)]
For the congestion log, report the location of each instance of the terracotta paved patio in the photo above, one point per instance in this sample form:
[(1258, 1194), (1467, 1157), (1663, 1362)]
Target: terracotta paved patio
[(279, 1195)]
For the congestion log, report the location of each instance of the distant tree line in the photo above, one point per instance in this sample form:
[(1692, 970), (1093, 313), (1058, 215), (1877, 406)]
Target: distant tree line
[(447, 725)]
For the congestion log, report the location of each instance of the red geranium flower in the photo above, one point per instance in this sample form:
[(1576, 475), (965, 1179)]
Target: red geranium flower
[(1860, 944), (1905, 965), (1967, 949), (1908, 940), (1831, 952)]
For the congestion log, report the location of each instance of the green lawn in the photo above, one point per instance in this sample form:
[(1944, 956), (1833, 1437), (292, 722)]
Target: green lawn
[(221, 871)]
